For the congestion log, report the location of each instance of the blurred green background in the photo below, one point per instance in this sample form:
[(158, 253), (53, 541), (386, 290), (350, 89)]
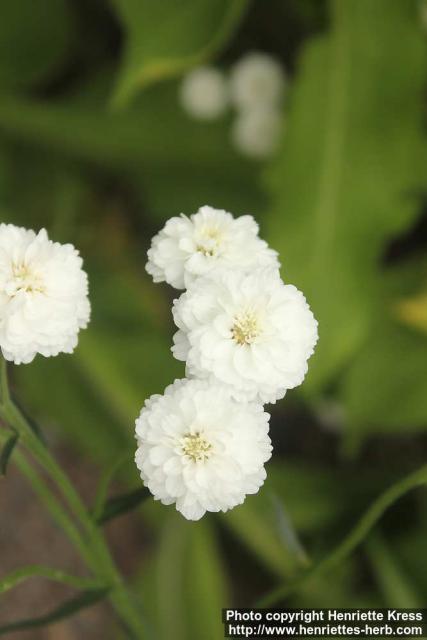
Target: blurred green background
[(95, 147)]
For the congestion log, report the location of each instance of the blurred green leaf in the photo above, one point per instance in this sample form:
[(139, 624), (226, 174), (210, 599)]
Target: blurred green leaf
[(154, 143), (410, 548), (288, 533), (351, 168), (190, 582), (385, 388), (254, 524), (396, 587), (65, 610), (34, 41), (164, 38), (207, 584)]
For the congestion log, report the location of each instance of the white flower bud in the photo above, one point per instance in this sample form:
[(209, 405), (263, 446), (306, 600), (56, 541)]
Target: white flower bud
[(257, 80), (256, 132), (203, 93)]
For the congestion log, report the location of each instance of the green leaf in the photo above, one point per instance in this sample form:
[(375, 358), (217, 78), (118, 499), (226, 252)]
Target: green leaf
[(353, 539), (65, 610), (255, 524), (190, 582), (39, 571), (7, 452), (207, 584), (395, 585), (121, 504), (154, 142), (352, 164), (33, 43), (288, 533), (384, 390), (164, 38)]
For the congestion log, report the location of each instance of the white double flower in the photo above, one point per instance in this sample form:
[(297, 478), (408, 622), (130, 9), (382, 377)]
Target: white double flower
[(43, 295)]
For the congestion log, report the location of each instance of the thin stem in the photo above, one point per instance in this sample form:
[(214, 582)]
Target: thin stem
[(55, 575), (90, 541), (4, 387)]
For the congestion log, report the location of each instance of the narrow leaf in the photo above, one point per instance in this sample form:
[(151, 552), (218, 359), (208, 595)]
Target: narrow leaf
[(7, 452), (394, 584), (104, 484), (65, 610), (118, 505), (288, 533)]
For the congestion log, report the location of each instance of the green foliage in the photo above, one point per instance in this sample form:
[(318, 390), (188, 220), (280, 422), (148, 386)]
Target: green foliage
[(187, 586), (394, 583), (164, 38), (355, 537), (392, 361), (351, 165), (33, 44)]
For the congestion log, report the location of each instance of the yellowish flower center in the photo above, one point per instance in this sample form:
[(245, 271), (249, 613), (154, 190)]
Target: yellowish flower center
[(24, 279), (209, 240), (196, 447), (245, 328)]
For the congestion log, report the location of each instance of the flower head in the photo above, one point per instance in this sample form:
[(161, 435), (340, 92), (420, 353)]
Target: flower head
[(249, 331), (201, 449), (257, 80), (256, 132), (204, 93), (43, 295), (190, 247)]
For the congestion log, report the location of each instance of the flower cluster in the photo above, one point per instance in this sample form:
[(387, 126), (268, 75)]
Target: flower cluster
[(43, 295), (255, 89), (245, 337)]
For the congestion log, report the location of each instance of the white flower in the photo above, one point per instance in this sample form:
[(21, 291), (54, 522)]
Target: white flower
[(256, 132), (43, 295), (249, 331), (204, 94), (189, 247), (200, 449), (257, 80)]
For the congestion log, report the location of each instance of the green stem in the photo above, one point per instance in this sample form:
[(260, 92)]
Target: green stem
[(88, 538), (355, 537), (39, 571)]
